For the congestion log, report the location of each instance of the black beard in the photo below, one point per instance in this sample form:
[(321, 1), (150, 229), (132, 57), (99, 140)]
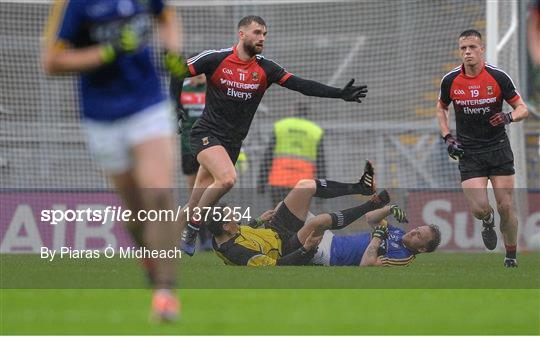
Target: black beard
[(250, 50)]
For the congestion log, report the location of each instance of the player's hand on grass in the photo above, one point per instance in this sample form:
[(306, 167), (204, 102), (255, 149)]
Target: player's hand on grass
[(501, 118), (352, 93), (454, 147), (176, 64), (398, 214), (312, 241), (380, 232)]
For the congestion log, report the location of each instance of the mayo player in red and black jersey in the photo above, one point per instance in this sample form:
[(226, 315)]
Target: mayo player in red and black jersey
[(237, 78), (477, 90)]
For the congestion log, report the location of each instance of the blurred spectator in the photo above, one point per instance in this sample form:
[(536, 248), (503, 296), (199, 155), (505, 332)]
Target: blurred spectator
[(295, 152)]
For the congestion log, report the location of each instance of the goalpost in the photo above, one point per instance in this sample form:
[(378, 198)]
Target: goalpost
[(497, 41)]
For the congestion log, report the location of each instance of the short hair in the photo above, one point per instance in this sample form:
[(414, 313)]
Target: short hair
[(469, 33), (247, 20), (436, 240), (216, 226)]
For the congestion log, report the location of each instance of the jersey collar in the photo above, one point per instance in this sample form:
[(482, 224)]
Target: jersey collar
[(238, 60), (472, 77)]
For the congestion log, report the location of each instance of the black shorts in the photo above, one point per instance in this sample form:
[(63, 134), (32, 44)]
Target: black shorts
[(286, 225), (202, 139), (189, 164), (498, 162)]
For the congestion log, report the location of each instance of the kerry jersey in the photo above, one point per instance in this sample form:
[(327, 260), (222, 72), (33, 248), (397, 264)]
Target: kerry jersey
[(348, 250), (475, 100), (235, 89), (130, 83)]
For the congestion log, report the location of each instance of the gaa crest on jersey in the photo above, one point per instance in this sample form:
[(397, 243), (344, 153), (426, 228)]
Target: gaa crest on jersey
[(490, 90), (255, 76)]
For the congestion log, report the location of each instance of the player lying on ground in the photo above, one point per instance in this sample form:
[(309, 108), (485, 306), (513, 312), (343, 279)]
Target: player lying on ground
[(386, 245), (288, 239), (237, 80)]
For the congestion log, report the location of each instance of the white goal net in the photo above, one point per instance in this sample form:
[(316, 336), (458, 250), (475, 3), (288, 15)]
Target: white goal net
[(400, 49)]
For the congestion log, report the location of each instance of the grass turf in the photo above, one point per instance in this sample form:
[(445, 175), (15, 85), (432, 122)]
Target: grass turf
[(439, 293)]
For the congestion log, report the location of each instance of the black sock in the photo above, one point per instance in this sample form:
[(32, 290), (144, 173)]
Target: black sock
[(345, 217), (331, 189), (511, 251)]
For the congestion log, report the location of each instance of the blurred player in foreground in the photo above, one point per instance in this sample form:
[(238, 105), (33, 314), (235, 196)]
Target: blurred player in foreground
[(127, 118), (288, 238), (237, 80), (477, 91)]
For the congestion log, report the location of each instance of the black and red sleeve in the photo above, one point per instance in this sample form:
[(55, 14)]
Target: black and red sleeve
[(508, 89), (446, 84), (274, 72), (206, 62)]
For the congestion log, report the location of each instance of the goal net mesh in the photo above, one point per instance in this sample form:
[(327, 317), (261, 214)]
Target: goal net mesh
[(400, 49)]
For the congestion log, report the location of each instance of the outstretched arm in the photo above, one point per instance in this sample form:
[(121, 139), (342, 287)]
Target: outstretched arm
[(314, 88), (376, 216)]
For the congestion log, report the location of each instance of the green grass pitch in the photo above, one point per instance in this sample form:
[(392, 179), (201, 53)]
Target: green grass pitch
[(441, 293)]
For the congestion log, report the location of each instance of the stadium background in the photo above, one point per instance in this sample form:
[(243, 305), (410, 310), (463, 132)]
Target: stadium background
[(400, 49)]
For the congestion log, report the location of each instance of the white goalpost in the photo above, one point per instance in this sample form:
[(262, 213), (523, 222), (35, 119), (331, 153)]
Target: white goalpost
[(496, 41)]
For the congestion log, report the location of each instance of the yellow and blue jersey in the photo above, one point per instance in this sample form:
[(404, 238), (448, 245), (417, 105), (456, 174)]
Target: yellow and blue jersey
[(251, 247), (130, 83), (348, 250)]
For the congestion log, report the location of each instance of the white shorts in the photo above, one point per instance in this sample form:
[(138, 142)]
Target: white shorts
[(324, 250), (110, 142)]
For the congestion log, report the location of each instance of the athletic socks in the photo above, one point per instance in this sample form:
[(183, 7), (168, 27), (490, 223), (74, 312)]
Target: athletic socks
[(345, 217), (511, 251), (332, 189), (489, 220)]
